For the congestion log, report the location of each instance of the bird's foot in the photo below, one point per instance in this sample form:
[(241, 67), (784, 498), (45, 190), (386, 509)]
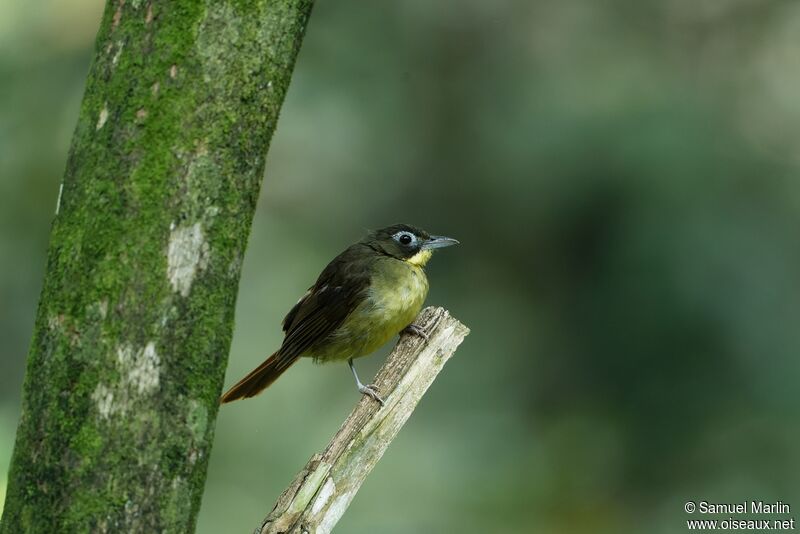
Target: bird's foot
[(371, 391), (415, 330)]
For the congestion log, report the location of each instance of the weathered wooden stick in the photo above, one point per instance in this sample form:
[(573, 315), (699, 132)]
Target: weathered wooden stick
[(321, 492)]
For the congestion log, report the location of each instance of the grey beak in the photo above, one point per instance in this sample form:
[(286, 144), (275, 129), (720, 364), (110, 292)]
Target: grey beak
[(439, 241)]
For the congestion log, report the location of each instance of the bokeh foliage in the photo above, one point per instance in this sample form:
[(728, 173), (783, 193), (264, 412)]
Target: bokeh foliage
[(624, 179)]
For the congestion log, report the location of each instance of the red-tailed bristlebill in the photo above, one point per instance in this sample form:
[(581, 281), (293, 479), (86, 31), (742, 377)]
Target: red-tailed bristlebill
[(365, 296)]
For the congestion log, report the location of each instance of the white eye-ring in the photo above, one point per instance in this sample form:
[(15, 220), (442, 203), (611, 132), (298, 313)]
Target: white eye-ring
[(405, 238)]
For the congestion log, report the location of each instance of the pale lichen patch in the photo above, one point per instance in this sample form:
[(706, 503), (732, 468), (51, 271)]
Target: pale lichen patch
[(140, 374), (58, 201), (187, 254), (103, 117), (54, 322), (118, 53), (324, 494), (200, 168), (199, 165), (104, 400), (142, 368), (336, 510), (221, 25)]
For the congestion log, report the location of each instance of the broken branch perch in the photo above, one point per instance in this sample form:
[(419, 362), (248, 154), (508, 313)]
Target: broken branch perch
[(321, 492)]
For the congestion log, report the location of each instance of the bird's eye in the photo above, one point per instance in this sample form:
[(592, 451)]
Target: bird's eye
[(404, 238)]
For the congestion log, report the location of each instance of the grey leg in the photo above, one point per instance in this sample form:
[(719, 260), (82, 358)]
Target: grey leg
[(415, 330), (370, 390)]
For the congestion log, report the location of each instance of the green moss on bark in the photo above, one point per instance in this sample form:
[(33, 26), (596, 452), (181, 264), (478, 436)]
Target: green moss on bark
[(136, 313)]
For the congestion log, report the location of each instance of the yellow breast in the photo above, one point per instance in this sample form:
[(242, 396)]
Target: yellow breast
[(396, 294)]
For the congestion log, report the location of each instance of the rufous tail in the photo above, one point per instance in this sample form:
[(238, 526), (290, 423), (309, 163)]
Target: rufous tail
[(259, 378)]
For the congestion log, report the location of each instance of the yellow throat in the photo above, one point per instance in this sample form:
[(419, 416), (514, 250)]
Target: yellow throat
[(420, 258)]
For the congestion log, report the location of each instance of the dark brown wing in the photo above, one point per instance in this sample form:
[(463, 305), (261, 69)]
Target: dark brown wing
[(337, 292)]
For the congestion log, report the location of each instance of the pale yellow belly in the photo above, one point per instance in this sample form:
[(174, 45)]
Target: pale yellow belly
[(393, 301)]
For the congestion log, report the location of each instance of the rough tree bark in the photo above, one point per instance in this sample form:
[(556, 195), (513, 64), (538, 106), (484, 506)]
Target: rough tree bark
[(135, 317)]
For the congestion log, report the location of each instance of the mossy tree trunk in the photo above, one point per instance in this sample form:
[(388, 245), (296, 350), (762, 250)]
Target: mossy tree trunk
[(136, 313)]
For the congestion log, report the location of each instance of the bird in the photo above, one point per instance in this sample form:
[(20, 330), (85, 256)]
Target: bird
[(365, 296)]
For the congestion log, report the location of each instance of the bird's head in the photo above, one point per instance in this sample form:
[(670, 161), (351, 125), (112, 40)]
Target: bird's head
[(407, 243)]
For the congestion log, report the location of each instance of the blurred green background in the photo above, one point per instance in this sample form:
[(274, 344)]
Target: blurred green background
[(624, 178)]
